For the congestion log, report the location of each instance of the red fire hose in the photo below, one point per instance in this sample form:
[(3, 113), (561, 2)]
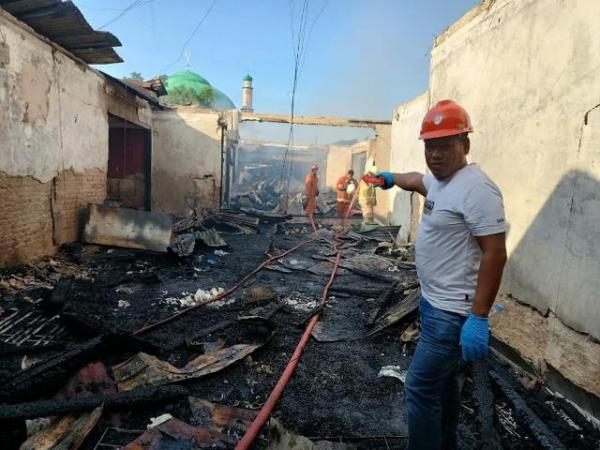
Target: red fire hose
[(224, 294), (267, 409)]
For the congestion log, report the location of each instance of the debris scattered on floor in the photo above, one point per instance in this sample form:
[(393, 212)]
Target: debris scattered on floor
[(411, 334), (65, 314), (197, 298), (393, 371), (156, 421), (128, 228), (66, 432), (299, 301), (123, 304)]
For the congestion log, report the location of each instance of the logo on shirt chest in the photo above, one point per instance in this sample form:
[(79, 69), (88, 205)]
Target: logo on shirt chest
[(428, 207)]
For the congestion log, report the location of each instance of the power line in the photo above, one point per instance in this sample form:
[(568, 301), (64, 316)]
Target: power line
[(132, 6), (299, 52), (286, 167), (196, 28)]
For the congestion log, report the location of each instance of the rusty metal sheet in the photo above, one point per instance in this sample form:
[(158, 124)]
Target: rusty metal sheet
[(222, 418), (65, 433), (168, 433), (128, 228), (369, 263), (144, 369), (282, 439), (63, 23)]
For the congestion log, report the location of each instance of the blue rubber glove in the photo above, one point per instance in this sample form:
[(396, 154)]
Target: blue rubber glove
[(388, 177), (475, 338)]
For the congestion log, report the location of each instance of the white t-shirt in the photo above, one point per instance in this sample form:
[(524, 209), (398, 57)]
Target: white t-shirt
[(457, 209)]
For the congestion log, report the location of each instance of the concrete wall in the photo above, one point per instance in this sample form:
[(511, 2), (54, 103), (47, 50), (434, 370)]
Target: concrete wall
[(381, 149), (407, 156), (186, 160), (54, 144), (378, 149), (339, 160), (526, 70)]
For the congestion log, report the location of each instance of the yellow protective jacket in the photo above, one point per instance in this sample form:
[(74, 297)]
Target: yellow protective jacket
[(367, 194)]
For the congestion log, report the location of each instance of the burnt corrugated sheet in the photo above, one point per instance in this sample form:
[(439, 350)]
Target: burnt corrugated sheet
[(63, 23)]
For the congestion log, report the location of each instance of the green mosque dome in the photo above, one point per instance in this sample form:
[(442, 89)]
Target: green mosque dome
[(188, 80)]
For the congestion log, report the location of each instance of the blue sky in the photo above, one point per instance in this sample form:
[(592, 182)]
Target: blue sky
[(362, 57)]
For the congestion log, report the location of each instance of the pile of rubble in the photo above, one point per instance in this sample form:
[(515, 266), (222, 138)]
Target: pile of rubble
[(272, 196), (80, 367)]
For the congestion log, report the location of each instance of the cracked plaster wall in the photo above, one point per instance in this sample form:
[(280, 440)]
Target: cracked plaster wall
[(407, 155), (53, 116), (526, 70), (186, 160), (53, 144)]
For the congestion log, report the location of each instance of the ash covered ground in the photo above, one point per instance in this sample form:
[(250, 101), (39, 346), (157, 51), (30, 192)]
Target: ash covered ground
[(335, 392)]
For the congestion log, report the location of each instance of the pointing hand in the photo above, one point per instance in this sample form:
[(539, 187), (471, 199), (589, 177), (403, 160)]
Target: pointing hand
[(388, 177)]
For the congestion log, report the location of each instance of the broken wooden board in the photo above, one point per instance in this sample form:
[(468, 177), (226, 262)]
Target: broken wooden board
[(129, 228), (403, 309), (51, 373), (65, 433), (113, 401)]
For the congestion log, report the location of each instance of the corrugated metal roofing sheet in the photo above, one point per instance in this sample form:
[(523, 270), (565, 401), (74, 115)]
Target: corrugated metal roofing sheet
[(62, 22)]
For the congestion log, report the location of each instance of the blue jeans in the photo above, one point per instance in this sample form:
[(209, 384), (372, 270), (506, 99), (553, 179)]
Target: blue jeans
[(434, 381)]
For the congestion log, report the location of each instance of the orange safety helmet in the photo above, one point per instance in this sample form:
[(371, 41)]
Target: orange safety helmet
[(446, 118)]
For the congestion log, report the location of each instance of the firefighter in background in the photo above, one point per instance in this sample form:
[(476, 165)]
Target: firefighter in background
[(312, 191), (345, 186), (367, 196)]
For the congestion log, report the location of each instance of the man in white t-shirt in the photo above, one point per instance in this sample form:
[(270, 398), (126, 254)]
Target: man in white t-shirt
[(460, 255)]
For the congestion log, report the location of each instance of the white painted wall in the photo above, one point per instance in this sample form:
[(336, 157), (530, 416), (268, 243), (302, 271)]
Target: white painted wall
[(527, 72), (406, 156), (186, 160), (339, 160), (53, 110)]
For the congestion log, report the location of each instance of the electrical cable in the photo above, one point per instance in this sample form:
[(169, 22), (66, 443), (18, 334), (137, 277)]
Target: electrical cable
[(285, 167), (188, 40), (131, 7)]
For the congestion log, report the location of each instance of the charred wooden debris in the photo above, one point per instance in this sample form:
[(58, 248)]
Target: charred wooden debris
[(127, 346)]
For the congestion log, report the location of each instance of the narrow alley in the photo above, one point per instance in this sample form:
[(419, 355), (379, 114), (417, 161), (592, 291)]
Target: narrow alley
[(401, 259)]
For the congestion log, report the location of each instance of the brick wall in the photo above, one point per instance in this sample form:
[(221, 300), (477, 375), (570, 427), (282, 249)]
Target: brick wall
[(25, 219), (73, 191), (36, 217)]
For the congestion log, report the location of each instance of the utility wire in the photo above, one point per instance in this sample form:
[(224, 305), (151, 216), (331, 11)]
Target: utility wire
[(196, 28), (301, 39), (131, 7), (285, 167)]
